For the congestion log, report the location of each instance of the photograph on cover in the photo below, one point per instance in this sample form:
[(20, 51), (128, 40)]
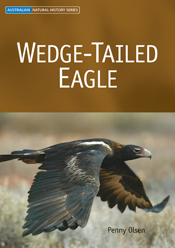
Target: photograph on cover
[(88, 183)]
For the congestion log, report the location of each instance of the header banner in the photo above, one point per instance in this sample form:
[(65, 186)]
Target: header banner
[(87, 57)]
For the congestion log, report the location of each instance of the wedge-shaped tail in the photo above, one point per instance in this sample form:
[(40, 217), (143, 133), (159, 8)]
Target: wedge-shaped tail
[(27, 156)]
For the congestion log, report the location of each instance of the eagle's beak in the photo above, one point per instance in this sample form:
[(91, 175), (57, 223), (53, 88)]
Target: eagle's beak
[(145, 154)]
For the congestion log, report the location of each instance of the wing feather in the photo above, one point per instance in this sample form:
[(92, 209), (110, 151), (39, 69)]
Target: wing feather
[(62, 193), (120, 185)]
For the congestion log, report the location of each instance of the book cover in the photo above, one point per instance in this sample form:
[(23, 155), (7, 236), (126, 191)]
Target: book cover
[(92, 72)]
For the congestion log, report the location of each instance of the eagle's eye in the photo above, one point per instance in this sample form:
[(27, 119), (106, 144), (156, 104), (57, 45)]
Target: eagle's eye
[(136, 150)]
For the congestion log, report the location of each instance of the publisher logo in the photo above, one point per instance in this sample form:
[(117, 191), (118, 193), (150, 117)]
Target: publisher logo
[(42, 10)]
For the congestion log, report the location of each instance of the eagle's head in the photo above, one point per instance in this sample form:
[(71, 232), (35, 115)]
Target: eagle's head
[(130, 152)]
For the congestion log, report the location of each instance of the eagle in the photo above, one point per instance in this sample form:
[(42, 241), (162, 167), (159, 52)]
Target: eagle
[(72, 174)]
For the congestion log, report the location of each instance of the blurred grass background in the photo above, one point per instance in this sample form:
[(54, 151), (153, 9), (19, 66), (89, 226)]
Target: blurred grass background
[(154, 131)]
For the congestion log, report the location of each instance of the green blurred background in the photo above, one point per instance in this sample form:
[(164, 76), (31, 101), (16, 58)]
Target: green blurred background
[(64, 124)]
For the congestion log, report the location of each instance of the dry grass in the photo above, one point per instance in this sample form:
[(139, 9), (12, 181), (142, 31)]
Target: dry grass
[(157, 174), (159, 228)]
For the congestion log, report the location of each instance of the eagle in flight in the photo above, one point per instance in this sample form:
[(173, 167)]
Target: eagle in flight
[(72, 174)]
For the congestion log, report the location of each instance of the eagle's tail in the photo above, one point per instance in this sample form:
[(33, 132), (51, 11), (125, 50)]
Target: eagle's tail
[(27, 156)]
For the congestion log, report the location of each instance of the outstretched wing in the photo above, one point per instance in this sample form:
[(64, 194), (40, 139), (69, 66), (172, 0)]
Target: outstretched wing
[(120, 185), (62, 194)]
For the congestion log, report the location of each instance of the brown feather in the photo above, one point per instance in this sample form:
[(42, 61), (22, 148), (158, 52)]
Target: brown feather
[(120, 185)]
